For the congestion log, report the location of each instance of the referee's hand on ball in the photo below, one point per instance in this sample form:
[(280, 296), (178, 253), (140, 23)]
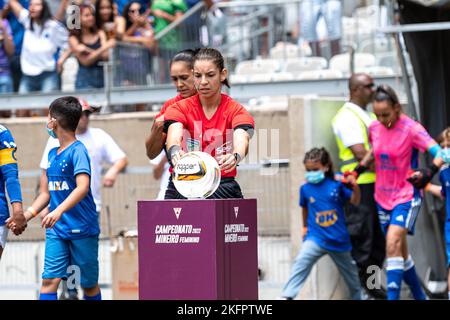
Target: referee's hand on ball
[(227, 162), (50, 219), (176, 156)]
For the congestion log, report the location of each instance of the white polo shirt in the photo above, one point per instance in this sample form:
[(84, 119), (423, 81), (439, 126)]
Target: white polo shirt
[(40, 45), (101, 148)]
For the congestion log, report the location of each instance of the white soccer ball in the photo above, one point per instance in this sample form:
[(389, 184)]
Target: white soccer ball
[(196, 175)]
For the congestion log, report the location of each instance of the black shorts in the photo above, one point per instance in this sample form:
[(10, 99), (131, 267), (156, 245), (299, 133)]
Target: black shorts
[(228, 189)]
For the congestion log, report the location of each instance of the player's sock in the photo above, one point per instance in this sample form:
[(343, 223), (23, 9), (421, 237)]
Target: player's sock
[(96, 297), (411, 279), (48, 296), (394, 277)]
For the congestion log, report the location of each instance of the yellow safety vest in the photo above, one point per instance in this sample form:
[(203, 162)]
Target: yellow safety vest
[(348, 161)]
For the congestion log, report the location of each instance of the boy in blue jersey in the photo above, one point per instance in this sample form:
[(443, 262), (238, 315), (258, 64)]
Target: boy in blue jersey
[(444, 191), (322, 199), (72, 224), (9, 180)]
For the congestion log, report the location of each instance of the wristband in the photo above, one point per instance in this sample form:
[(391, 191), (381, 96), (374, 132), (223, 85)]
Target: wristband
[(33, 211), (360, 168), (237, 157), (434, 168), (171, 152)]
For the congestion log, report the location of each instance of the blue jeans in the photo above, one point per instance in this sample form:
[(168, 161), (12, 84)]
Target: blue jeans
[(47, 81), (310, 253), (6, 83), (89, 77), (310, 12)]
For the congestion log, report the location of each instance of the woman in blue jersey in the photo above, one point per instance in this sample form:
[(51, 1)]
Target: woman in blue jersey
[(322, 199)]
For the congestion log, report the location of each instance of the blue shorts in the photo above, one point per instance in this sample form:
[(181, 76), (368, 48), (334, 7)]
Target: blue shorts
[(61, 254), (403, 215)]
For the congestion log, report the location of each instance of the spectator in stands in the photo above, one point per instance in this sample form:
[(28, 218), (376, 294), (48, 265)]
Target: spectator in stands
[(350, 126), (120, 4), (166, 12), (90, 46), (17, 31), (138, 27), (310, 13), (6, 51), (43, 36), (135, 59), (113, 25)]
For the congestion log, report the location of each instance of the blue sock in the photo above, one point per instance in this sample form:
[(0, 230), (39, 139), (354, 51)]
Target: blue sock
[(411, 279), (48, 296), (96, 297), (394, 277)]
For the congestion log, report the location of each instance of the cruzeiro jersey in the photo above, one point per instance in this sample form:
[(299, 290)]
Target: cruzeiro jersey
[(81, 221), (9, 175)]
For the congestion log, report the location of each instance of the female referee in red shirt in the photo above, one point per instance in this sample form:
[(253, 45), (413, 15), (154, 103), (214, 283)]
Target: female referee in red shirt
[(213, 122), (181, 74)]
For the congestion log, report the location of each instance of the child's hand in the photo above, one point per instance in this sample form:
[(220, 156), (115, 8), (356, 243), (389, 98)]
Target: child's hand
[(349, 181), (50, 219), (305, 231)]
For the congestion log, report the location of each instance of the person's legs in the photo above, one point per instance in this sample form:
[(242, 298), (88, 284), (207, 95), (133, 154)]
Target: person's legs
[(309, 16), (410, 275), (395, 260), (368, 242), (16, 71), (6, 84), (49, 81), (84, 253), (347, 267), (56, 262), (332, 13), (26, 84), (308, 256)]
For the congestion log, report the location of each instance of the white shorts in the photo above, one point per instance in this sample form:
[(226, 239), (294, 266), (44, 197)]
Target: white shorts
[(3, 236)]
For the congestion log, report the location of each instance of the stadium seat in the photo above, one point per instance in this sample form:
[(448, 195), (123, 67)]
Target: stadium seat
[(305, 64), (251, 67), (320, 74), (377, 71), (284, 50), (376, 46), (341, 62)]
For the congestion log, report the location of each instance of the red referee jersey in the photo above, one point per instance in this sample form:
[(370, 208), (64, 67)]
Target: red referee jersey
[(214, 135), (167, 104)]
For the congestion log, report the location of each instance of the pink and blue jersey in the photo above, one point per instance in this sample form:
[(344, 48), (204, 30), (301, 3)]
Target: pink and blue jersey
[(82, 220), (396, 152), (326, 220)]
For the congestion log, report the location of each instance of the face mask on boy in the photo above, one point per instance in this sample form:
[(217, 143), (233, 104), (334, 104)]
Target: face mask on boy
[(315, 176), (51, 132)]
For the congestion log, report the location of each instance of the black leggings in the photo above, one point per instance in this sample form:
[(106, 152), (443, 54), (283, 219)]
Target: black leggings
[(228, 189)]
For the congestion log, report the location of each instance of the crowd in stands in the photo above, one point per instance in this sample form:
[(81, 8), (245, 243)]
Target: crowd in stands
[(37, 38)]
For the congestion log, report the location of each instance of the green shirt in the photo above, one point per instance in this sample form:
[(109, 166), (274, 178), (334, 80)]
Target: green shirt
[(172, 39)]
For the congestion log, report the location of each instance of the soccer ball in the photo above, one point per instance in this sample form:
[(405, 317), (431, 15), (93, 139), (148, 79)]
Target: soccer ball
[(196, 175)]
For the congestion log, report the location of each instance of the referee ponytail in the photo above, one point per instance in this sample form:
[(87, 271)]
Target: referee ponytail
[(185, 56), (215, 56)]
